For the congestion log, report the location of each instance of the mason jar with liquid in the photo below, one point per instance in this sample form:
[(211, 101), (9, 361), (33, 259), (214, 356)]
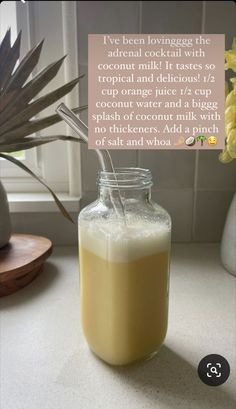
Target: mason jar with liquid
[(124, 251)]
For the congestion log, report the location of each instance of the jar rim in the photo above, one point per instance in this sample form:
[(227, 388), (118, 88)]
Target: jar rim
[(125, 178)]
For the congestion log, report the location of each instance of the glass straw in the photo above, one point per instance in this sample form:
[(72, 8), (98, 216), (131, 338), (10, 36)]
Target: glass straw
[(104, 156)]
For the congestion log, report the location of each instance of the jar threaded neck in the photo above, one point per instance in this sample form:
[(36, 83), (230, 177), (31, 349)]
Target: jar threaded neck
[(125, 178)]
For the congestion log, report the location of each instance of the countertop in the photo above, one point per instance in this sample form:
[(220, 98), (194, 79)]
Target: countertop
[(46, 364)]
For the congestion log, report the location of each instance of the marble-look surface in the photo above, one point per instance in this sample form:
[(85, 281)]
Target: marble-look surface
[(46, 364)]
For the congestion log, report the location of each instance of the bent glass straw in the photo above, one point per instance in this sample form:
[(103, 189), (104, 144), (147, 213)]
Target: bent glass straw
[(82, 130), (104, 156)]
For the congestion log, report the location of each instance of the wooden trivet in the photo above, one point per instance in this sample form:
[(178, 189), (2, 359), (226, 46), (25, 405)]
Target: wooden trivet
[(21, 260)]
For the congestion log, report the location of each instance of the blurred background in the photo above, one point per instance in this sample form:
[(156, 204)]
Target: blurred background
[(194, 187)]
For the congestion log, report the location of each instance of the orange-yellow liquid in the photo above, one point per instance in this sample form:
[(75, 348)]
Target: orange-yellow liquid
[(124, 305)]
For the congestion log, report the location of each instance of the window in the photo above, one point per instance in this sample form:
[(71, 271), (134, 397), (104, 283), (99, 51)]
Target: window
[(8, 18), (57, 163)]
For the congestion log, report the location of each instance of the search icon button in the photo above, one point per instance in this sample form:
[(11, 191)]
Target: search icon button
[(213, 370)]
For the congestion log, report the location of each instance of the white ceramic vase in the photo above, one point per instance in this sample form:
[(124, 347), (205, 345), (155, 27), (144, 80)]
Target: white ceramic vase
[(5, 222), (228, 242)]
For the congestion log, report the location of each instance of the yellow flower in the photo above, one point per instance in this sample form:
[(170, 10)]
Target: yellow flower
[(233, 80), (230, 99), (230, 57), (226, 89), (225, 157), (231, 143), (229, 153), (230, 116)]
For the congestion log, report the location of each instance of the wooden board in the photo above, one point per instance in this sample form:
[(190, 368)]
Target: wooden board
[(21, 260)]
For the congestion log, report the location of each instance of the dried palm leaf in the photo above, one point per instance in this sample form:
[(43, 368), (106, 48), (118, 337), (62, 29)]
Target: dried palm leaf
[(18, 99), (25, 68), (9, 62), (31, 142), (4, 48), (26, 169), (18, 105), (32, 126)]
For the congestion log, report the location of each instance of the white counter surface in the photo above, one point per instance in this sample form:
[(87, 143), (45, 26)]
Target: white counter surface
[(46, 364)]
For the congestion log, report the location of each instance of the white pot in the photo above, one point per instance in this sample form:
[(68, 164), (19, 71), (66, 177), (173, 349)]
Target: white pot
[(228, 242), (5, 222)]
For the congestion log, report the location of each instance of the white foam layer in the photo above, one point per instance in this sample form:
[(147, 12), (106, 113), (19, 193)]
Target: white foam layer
[(117, 242)]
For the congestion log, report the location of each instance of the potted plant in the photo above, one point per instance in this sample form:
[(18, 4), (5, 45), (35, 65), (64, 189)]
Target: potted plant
[(18, 107)]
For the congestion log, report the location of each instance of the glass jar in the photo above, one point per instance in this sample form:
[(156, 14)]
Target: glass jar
[(124, 268)]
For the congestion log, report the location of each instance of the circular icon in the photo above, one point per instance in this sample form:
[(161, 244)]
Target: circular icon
[(213, 370)]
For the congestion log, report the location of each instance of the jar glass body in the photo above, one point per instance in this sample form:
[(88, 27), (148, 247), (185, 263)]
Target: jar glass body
[(124, 269)]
